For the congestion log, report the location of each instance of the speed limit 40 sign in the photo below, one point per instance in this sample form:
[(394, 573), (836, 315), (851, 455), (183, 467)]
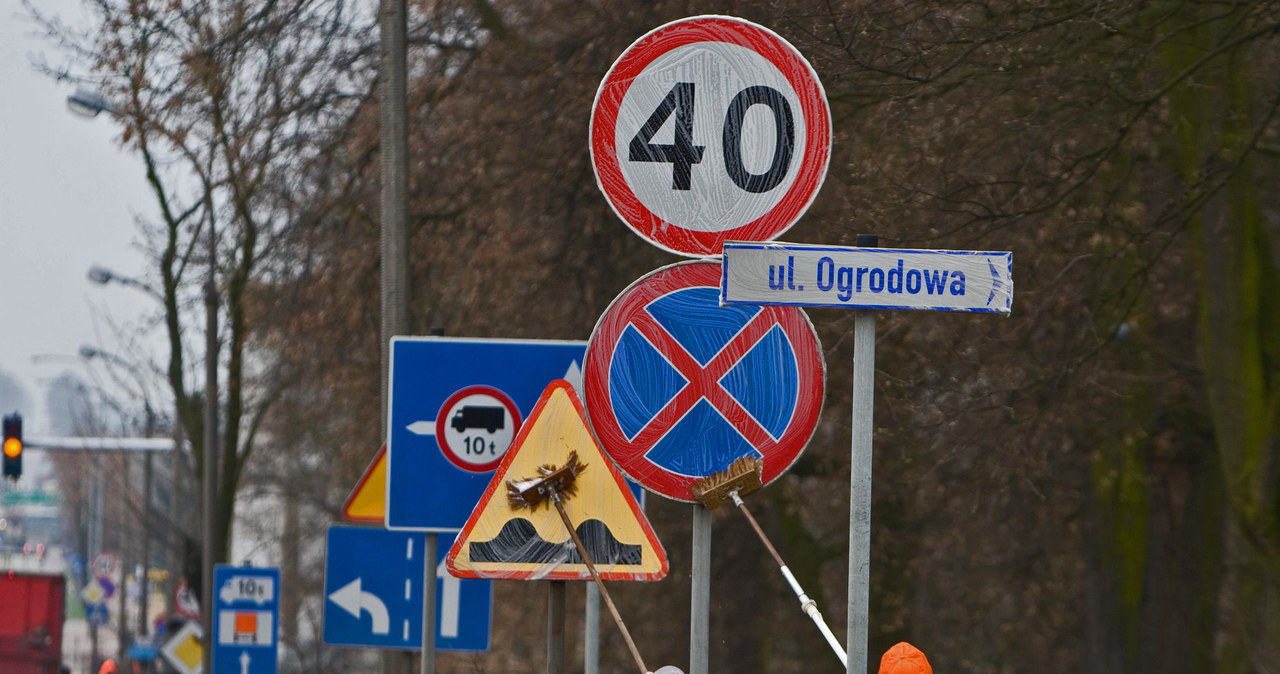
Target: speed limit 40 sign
[(710, 129)]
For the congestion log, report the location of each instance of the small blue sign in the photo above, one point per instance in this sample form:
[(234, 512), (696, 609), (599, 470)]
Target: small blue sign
[(246, 616), (143, 652), (96, 614), (455, 405), (373, 585)]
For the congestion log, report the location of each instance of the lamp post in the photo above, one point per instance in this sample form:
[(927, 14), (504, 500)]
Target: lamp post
[(103, 276), (89, 353), (90, 104)]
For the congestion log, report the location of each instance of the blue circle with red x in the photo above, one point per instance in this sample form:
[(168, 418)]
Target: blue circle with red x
[(678, 387)]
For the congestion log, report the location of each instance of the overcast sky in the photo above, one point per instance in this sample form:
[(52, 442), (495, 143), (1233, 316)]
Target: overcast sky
[(70, 198)]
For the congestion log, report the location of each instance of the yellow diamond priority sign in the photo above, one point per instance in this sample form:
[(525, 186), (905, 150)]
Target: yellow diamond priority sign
[(184, 650), (499, 541)]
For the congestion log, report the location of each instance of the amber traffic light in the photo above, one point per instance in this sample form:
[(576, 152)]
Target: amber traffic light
[(13, 445)]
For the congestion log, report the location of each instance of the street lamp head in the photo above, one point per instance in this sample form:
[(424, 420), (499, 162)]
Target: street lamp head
[(88, 104), (100, 275), (88, 352)]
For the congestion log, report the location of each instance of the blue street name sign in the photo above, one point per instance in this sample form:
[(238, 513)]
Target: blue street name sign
[(455, 406), (373, 593), (246, 613), (867, 278)]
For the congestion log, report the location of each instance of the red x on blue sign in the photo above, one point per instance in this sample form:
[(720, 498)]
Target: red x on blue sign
[(678, 387)]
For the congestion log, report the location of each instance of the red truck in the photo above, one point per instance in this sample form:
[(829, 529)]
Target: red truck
[(31, 613)]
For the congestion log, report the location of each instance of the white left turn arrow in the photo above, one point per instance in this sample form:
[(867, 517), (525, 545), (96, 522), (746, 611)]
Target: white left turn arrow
[(352, 599), (422, 427)]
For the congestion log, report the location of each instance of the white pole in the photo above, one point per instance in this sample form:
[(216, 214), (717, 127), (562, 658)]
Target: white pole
[(864, 372)]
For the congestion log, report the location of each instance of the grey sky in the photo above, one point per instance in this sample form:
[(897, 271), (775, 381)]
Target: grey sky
[(69, 199)]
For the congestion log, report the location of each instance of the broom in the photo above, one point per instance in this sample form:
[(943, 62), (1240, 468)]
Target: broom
[(743, 477), (554, 485)]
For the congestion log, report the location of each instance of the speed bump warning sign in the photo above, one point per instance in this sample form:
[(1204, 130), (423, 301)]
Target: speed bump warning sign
[(501, 541)]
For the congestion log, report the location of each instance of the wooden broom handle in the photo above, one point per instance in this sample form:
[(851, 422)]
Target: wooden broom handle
[(613, 610)]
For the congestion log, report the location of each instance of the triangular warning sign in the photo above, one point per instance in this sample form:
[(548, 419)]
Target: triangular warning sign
[(499, 541), (368, 501)]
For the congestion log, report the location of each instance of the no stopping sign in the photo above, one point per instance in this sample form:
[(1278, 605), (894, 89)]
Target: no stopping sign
[(678, 387), (710, 129)]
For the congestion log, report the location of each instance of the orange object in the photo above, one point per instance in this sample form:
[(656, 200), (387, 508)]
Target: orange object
[(904, 658), (108, 667), (246, 623)]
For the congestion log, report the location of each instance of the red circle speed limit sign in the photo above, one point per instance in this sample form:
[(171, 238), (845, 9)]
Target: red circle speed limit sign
[(710, 129)]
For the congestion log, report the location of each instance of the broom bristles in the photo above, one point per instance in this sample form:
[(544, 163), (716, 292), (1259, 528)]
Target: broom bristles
[(533, 492), (742, 476)]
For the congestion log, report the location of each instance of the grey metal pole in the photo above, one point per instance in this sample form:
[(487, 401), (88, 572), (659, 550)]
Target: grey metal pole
[(122, 622), (95, 545), (394, 150), (395, 188), (591, 631), (144, 595), (864, 371), (210, 523), (556, 591), (700, 599)]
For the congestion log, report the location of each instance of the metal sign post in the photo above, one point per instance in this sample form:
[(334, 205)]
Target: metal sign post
[(865, 278), (726, 174), (864, 373)]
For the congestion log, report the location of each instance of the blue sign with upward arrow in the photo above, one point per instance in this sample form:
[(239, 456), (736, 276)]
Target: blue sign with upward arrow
[(246, 612), (373, 585)]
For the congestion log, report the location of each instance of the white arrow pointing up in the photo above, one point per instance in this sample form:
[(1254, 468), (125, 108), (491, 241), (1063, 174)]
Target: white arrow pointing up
[(573, 375), (352, 599), (244, 662)]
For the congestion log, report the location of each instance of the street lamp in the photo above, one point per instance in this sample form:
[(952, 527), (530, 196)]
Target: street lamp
[(87, 104), (102, 276)]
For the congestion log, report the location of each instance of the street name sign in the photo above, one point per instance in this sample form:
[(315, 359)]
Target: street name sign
[(373, 584), (707, 129), (499, 541), (866, 278), (246, 616), (454, 407), (678, 387)]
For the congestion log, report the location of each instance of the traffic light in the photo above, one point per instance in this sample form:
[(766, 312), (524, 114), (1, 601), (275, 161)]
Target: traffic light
[(13, 446)]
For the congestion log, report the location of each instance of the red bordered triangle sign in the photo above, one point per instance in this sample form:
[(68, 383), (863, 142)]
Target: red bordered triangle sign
[(367, 502), (501, 542)]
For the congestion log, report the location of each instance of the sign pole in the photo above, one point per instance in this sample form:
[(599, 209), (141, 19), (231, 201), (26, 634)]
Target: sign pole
[(591, 633), (556, 591), (864, 372), (700, 600), (430, 553)]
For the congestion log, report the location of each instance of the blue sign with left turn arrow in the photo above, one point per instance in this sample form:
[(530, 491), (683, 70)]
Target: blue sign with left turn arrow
[(373, 585)]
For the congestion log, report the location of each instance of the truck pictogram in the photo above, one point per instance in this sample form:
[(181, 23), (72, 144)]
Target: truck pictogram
[(478, 416)]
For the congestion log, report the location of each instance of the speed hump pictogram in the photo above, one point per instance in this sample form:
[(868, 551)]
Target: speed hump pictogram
[(505, 542), (709, 129)]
